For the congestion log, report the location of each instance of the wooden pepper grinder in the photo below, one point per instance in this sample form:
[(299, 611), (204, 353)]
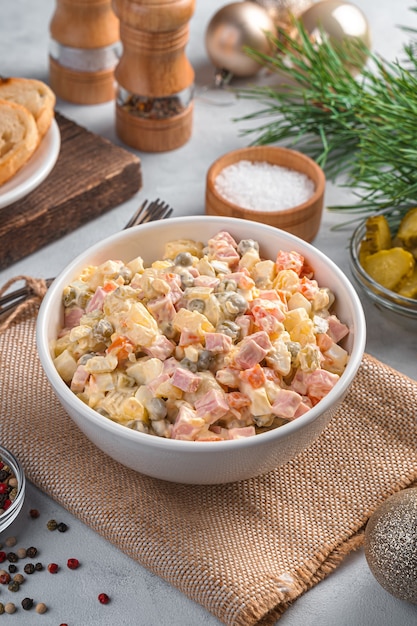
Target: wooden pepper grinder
[(84, 51), (154, 102)]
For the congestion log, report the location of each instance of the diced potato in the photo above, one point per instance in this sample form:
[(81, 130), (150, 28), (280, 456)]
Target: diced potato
[(65, 365), (390, 267), (173, 248)]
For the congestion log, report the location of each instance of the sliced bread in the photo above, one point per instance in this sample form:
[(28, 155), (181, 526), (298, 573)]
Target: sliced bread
[(19, 138), (32, 94)]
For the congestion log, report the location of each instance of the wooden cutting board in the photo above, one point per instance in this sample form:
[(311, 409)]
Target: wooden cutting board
[(90, 177)]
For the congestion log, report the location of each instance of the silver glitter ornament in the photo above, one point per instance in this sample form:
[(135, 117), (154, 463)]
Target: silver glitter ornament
[(391, 545)]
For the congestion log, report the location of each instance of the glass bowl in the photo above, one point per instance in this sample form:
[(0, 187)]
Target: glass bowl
[(383, 298), (10, 514)]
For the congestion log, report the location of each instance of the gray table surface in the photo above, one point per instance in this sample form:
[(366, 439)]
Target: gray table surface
[(348, 597)]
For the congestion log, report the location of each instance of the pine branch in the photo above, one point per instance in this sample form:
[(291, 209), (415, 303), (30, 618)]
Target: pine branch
[(353, 120)]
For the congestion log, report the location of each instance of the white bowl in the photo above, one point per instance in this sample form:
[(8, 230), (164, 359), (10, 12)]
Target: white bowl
[(188, 461)]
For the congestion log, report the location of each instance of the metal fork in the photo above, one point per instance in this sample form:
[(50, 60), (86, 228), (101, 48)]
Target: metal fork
[(147, 212)]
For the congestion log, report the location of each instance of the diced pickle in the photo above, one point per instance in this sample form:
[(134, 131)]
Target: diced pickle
[(377, 237), (407, 231), (408, 287), (389, 267)]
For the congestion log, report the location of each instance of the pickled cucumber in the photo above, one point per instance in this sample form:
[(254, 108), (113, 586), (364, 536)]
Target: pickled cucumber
[(377, 237), (407, 231), (390, 267), (408, 287)]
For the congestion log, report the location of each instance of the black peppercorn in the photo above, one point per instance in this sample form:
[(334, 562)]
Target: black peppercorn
[(38, 567), (27, 603), (31, 552), (12, 557), (12, 568), (62, 527), (29, 568), (14, 586), (3, 475)]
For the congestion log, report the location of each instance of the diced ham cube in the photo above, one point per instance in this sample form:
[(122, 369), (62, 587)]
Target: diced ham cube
[(243, 432), (187, 424), (245, 323), (319, 383), (156, 382), (242, 277), (186, 380), (162, 309), (211, 406), (97, 301), (161, 348), (262, 339), (286, 404), (79, 379), (206, 281), (188, 337), (72, 317), (337, 330), (249, 354), (218, 342)]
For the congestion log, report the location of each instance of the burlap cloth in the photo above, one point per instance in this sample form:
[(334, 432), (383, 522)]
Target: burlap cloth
[(246, 550)]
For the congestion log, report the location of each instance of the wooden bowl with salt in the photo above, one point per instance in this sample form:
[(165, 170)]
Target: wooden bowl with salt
[(273, 185)]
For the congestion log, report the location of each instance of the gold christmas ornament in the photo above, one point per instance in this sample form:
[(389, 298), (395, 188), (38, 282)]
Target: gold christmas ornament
[(281, 11), (231, 29), (340, 21), (391, 545)]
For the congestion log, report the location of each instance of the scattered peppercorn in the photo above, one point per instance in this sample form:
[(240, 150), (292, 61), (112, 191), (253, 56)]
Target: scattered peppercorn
[(4, 578), (53, 568), (10, 541), (12, 557), (12, 568), (27, 603), (34, 513), (13, 586), (21, 553), (10, 607), (41, 608), (73, 563), (38, 567), (31, 552), (19, 578), (52, 524), (62, 527), (103, 598), (29, 568), (3, 556), (1, 608)]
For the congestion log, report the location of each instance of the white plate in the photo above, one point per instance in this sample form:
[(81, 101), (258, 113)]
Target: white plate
[(35, 170)]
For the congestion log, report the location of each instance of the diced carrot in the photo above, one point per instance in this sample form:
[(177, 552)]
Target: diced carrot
[(122, 346), (254, 376), (237, 399)]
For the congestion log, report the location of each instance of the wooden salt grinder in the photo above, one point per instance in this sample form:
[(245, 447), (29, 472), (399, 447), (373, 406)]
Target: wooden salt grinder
[(84, 50), (154, 103)]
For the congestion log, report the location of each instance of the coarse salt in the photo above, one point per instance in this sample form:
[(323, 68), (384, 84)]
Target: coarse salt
[(262, 186)]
